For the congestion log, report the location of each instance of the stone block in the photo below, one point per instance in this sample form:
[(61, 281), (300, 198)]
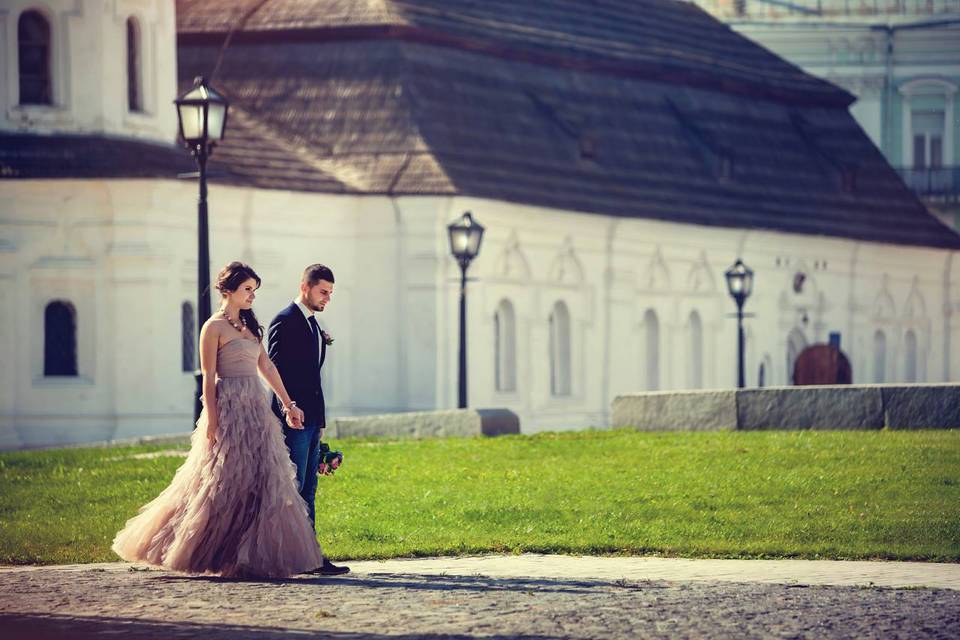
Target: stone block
[(921, 406), (428, 424), (677, 411), (813, 407)]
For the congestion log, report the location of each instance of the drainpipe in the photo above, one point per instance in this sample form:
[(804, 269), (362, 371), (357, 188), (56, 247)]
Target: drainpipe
[(607, 323), (886, 139), (852, 304), (947, 316)]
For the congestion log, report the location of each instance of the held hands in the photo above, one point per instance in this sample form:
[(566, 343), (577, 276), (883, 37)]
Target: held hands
[(294, 417)]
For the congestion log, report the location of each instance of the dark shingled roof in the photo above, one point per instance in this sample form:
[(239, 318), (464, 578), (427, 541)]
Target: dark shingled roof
[(661, 40), (636, 109), (640, 109), (88, 156)]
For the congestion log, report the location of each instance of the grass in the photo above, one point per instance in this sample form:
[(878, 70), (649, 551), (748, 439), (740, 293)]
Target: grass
[(808, 494)]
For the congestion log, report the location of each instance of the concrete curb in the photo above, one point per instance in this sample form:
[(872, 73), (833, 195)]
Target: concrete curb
[(606, 568), (891, 406)]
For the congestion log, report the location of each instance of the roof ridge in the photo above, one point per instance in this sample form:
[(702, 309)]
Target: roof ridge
[(407, 93), (351, 180), (243, 15)]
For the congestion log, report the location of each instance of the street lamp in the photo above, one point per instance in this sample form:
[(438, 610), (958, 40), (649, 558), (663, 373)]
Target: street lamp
[(465, 237), (202, 118), (740, 285)]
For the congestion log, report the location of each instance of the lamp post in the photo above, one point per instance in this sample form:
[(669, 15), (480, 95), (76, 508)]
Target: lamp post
[(202, 119), (465, 237), (740, 285)]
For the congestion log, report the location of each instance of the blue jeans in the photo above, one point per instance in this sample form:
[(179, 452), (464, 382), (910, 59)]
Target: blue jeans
[(304, 446)]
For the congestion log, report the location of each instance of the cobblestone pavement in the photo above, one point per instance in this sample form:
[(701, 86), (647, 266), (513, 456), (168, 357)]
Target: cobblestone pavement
[(459, 598)]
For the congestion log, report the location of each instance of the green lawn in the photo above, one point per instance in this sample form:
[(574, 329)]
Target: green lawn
[(825, 494)]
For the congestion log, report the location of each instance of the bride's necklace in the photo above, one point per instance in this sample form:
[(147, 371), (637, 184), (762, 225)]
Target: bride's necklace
[(238, 326)]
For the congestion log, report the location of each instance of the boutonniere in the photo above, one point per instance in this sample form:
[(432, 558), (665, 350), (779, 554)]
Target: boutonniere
[(327, 338)]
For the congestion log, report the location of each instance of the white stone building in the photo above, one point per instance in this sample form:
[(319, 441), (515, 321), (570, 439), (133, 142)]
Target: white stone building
[(617, 179)]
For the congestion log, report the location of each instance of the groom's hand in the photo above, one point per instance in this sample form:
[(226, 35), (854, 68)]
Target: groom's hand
[(295, 418)]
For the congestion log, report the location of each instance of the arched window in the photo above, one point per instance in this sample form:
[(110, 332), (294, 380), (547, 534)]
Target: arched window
[(505, 346), (879, 356), (651, 355), (560, 350), (134, 88), (33, 42), (60, 339), (765, 370), (910, 356), (796, 343), (188, 338), (695, 329)]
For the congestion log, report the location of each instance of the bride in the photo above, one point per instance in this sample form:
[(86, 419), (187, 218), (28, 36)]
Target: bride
[(233, 508)]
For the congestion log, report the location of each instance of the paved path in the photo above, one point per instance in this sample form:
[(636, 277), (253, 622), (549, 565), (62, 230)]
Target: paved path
[(530, 596), (806, 572)]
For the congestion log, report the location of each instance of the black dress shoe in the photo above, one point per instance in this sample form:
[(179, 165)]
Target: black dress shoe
[(330, 569)]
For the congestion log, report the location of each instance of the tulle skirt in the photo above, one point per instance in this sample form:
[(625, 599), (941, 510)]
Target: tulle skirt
[(233, 508)]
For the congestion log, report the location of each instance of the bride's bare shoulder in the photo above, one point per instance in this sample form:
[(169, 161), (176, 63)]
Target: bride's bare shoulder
[(213, 325)]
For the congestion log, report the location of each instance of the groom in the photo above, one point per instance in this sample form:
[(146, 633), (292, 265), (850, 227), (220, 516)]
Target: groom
[(298, 346)]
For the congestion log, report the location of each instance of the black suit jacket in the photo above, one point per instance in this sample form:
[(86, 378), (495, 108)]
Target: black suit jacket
[(293, 349)]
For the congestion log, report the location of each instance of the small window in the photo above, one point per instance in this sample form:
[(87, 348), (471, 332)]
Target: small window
[(560, 384), (695, 362), (505, 346), (188, 339), (910, 356), (796, 343), (134, 92), (929, 126), (60, 339), (879, 357), (651, 356), (33, 41)]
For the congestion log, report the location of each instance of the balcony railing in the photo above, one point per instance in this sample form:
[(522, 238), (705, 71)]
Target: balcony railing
[(940, 183)]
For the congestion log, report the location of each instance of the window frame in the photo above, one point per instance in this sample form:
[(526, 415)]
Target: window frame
[(47, 65), (918, 89), (505, 347), (66, 364), (134, 65), (560, 335)]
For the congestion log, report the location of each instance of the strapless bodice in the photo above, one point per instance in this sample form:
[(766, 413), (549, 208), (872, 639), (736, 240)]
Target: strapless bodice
[(238, 360)]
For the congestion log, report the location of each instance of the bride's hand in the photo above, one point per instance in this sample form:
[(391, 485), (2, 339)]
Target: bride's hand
[(295, 418), (212, 429)]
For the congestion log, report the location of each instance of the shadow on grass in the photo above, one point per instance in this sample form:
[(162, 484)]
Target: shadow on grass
[(51, 627)]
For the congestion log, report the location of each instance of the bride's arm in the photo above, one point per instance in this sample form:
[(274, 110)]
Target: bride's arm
[(269, 372), (209, 341)]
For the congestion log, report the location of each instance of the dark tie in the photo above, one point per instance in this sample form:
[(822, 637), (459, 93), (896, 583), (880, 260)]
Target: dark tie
[(316, 334)]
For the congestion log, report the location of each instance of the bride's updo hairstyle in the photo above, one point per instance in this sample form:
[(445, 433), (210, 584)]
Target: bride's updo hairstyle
[(229, 280)]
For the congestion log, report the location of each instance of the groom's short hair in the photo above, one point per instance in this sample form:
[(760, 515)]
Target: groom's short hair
[(315, 273)]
